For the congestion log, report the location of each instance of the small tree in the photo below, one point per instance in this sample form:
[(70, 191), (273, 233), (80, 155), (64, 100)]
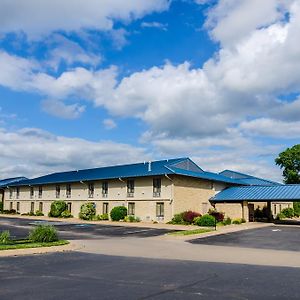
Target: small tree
[(57, 207), (118, 213), (87, 211), (289, 161)]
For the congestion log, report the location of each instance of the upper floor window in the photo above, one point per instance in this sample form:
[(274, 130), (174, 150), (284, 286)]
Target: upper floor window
[(91, 190), (11, 192), (57, 191), (104, 189), (156, 187), (31, 192), (68, 190), (40, 191), (130, 188), (18, 192)]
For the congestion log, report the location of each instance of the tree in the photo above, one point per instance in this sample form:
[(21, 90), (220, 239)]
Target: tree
[(289, 161)]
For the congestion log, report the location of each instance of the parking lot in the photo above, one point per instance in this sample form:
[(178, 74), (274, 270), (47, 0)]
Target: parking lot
[(273, 237), (20, 228)]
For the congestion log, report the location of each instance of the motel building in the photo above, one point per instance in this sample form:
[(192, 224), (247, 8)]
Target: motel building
[(152, 191)]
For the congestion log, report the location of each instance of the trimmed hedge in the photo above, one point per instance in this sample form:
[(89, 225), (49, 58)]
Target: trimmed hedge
[(118, 213), (87, 211), (57, 207), (205, 220)]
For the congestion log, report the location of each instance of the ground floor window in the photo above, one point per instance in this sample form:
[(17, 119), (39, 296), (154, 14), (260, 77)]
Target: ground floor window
[(160, 209), (131, 208), (69, 206), (11, 205), (32, 207), (105, 208), (18, 206), (41, 206)]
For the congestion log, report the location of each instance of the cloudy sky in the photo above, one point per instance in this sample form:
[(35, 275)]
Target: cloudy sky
[(103, 82)]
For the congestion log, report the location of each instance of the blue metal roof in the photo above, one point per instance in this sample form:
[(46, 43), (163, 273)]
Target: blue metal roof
[(8, 181), (247, 179), (178, 166), (290, 192)]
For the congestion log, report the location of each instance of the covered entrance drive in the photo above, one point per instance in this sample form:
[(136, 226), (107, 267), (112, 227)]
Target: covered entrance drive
[(247, 198)]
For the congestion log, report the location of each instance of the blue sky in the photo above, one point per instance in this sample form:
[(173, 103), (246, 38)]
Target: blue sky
[(107, 82)]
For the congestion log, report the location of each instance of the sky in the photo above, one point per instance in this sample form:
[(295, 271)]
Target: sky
[(105, 82)]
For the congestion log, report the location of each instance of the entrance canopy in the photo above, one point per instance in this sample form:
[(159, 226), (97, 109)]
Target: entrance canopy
[(288, 192)]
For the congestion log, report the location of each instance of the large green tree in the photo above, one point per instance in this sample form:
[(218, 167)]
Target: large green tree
[(289, 161)]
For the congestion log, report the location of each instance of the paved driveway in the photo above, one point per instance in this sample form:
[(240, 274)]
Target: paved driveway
[(19, 228), (89, 276), (273, 237)]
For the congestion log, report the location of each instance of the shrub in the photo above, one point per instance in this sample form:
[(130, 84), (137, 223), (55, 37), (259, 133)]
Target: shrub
[(296, 206), (87, 211), (288, 212), (243, 220), (43, 234), (280, 216), (189, 216), (5, 237), (66, 214), (177, 219), (39, 213), (219, 216), (9, 211), (57, 207), (205, 220), (118, 213), (261, 213), (132, 219), (237, 221), (227, 221), (103, 217)]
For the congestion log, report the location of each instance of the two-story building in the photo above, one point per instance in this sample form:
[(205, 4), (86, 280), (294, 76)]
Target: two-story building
[(152, 191)]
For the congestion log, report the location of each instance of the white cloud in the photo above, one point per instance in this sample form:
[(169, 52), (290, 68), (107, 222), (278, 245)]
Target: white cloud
[(33, 152), (38, 18), (272, 128), (109, 124), (158, 25), (60, 109)]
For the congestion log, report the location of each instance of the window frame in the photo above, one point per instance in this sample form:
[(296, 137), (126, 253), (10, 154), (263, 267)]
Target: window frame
[(17, 193), (18, 206), (31, 192), (130, 188), (104, 189), (131, 208), (105, 208), (91, 190), (69, 207), (57, 191), (41, 206), (32, 207), (156, 188), (68, 190), (160, 209), (40, 195)]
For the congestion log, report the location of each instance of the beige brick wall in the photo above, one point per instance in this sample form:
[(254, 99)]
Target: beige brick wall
[(192, 194), (231, 210)]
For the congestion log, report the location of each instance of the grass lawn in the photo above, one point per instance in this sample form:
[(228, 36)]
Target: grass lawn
[(22, 244), (190, 232)]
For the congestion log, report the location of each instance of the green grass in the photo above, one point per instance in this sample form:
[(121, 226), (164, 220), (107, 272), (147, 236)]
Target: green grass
[(25, 244), (190, 232)]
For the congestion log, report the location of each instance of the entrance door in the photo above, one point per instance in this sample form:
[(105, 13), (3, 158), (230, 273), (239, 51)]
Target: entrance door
[(251, 212)]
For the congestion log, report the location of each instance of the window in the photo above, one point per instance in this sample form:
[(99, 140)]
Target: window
[(91, 190), (10, 205), (105, 208), (40, 191), (11, 192), (130, 188), (31, 192), (18, 192), (156, 187), (275, 209), (68, 190), (131, 208), (41, 206), (18, 206), (104, 189), (32, 207), (57, 191), (69, 207), (160, 209)]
